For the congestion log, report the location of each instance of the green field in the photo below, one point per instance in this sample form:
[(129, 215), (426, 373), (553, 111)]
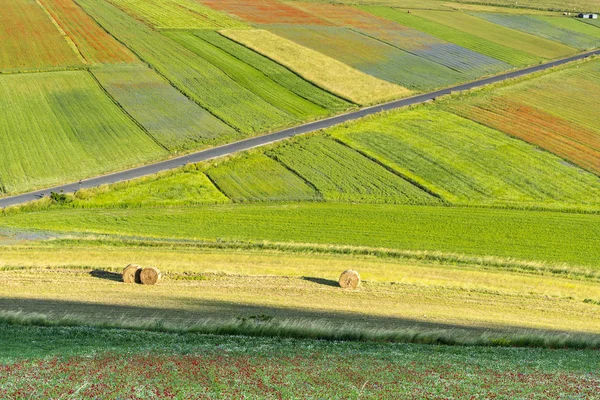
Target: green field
[(59, 127), (197, 78), (256, 177), (173, 120)]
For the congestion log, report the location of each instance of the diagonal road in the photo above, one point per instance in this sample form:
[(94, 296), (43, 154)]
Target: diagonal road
[(280, 135)]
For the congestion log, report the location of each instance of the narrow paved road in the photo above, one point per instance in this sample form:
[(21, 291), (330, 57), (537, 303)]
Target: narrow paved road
[(280, 135)]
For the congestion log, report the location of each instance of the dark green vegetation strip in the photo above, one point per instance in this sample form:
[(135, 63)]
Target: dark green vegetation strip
[(192, 365), (531, 235)]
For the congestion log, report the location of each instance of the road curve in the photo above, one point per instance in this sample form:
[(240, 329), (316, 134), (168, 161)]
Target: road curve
[(280, 135)]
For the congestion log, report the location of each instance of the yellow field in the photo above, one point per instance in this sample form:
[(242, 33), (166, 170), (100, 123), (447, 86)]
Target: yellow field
[(318, 68)]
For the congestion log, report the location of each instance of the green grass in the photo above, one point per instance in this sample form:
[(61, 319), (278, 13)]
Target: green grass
[(249, 77), (178, 14), (499, 34), (341, 174), (276, 72), (60, 126), (172, 119), (197, 78), (544, 28), (465, 162), (531, 235), (467, 40), (256, 177), (253, 367), (574, 25)]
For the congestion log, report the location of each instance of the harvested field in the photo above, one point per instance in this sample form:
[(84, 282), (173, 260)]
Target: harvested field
[(318, 68), (544, 29), (250, 78), (204, 83), (341, 174), (59, 127), (94, 44), (172, 119), (467, 40), (265, 12), (466, 162), (178, 14), (29, 39), (499, 34), (276, 72), (256, 177)]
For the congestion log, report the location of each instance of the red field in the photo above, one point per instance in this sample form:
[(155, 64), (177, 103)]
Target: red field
[(93, 42), (29, 40), (347, 16), (265, 12), (563, 138)]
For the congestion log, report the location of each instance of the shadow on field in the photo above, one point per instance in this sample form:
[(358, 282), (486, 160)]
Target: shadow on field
[(321, 281), (110, 276)]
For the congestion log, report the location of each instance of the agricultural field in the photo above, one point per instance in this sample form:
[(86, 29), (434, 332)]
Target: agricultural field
[(325, 71), (30, 41), (265, 12), (173, 120), (465, 162), (559, 5), (543, 28), (197, 78), (350, 176), (256, 177), (94, 44), (177, 14), (547, 113), (60, 126)]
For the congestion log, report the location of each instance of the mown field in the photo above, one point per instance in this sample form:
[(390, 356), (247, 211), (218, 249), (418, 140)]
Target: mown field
[(191, 365)]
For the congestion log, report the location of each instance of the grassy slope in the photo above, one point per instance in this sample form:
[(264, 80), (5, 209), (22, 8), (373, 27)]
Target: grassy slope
[(466, 162), (194, 76), (320, 69), (533, 235), (249, 77), (308, 368), (172, 119), (496, 50), (59, 127)]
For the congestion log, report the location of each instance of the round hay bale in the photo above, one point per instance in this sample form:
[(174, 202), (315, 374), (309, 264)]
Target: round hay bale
[(150, 276), (349, 279), (131, 273)]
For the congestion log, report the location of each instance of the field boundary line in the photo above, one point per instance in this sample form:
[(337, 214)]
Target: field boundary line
[(67, 38), (259, 141)]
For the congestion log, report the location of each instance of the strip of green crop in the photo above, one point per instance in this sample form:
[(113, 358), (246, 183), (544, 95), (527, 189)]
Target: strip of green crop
[(60, 126), (172, 119), (498, 51), (256, 177), (341, 174), (573, 25), (197, 78), (529, 235), (249, 77), (276, 72), (467, 162)]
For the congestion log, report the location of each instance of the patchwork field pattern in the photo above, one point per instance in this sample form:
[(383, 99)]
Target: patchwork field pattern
[(442, 52), (265, 12), (463, 161), (371, 56), (61, 126), (499, 34), (467, 40), (256, 177), (325, 71), (276, 72), (350, 176), (188, 14), (94, 44), (173, 120), (249, 77), (197, 78), (29, 39), (574, 25), (542, 28)]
